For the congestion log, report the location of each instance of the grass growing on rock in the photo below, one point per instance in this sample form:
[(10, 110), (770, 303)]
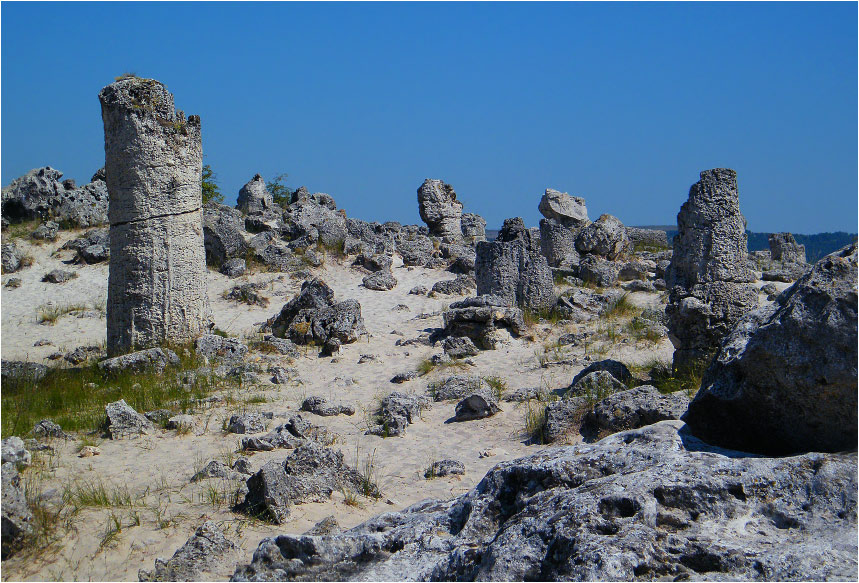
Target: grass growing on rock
[(75, 397)]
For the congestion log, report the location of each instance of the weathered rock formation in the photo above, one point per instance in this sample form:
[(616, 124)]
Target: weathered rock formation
[(650, 503), (569, 211), (653, 238), (440, 210), (482, 319), (203, 553), (153, 163), (223, 229), (709, 273), (17, 518), (473, 228), (605, 237), (42, 194), (784, 380), (783, 247), (512, 268), (558, 244), (254, 198)]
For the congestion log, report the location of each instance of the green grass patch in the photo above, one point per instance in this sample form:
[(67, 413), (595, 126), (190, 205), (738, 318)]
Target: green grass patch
[(75, 397), (620, 308)]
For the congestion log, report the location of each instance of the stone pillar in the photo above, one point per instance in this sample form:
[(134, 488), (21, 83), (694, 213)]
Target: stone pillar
[(709, 275), (157, 288), (440, 210), (783, 247)]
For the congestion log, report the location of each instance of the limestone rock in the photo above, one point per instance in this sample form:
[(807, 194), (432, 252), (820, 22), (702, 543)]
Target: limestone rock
[(380, 281), (17, 518), (569, 211), (223, 234), (617, 369), (439, 209), (14, 452), (320, 406), (784, 380), (645, 504), (443, 468), (605, 237), (459, 347), (254, 198), (249, 423), (59, 276), (157, 289), (396, 411), (783, 247), (202, 554), (234, 267), (459, 386), (481, 319), (558, 244), (473, 227), (595, 386), (11, 257), (152, 358), (648, 238), (217, 469), (47, 231), (22, 371), (564, 418), (633, 408), (47, 429), (310, 474), (124, 421), (314, 316), (461, 285), (598, 271), (41, 194), (475, 407)]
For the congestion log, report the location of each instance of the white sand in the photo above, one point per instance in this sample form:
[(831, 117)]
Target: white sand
[(156, 469)]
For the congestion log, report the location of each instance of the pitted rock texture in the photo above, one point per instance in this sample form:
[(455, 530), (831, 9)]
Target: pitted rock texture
[(512, 268), (567, 210), (314, 316), (41, 194), (643, 504), (254, 198), (201, 554), (709, 275), (473, 227), (482, 319), (783, 247), (156, 359), (632, 408), (605, 237), (153, 163), (397, 411), (439, 209), (17, 518), (784, 380), (648, 238), (223, 229), (123, 420), (558, 244), (12, 257)]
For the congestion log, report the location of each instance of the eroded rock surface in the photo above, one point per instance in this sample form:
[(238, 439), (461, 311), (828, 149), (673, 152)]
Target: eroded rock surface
[(439, 209), (201, 554)]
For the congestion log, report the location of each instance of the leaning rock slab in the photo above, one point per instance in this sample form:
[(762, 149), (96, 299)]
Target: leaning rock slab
[(123, 421), (784, 380)]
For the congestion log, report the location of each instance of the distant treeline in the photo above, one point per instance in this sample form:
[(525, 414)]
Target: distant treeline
[(816, 246)]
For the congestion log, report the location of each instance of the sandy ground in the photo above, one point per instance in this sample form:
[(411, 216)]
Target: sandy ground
[(156, 469)]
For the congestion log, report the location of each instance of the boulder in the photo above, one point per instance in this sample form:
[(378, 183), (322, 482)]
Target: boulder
[(417, 251), (440, 210), (233, 268), (459, 347), (784, 379), (475, 407), (567, 210), (605, 237), (254, 198), (223, 237), (314, 317), (94, 254), (47, 429), (14, 452), (13, 371), (249, 422), (11, 257), (617, 369), (59, 276), (461, 285), (396, 411), (785, 272), (595, 386), (123, 421), (459, 386), (473, 227), (380, 281), (564, 418), (201, 555), (481, 319), (17, 518), (47, 231), (310, 474), (648, 238), (632, 408), (156, 359), (320, 406), (645, 504), (598, 271), (217, 469), (41, 194)]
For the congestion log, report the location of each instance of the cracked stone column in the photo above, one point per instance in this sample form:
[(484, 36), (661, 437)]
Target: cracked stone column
[(153, 161)]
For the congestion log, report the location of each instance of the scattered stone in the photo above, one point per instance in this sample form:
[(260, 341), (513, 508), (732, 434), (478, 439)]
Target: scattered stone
[(256, 444), (321, 407), (11, 258), (569, 211), (461, 285), (243, 465), (770, 290), (14, 452), (217, 469), (220, 349), (182, 423), (380, 281), (402, 377), (475, 407), (458, 387), (310, 474), (18, 370), (440, 210), (89, 451), (93, 254), (46, 231), (784, 380), (202, 554), (17, 518), (123, 421), (649, 503), (459, 347), (617, 369), (159, 416), (326, 526), (249, 422), (419, 290), (59, 276), (526, 394), (444, 468), (368, 358), (396, 411), (282, 376), (48, 429), (648, 238), (82, 354), (233, 268), (152, 358), (13, 283), (157, 290), (374, 262), (598, 271)]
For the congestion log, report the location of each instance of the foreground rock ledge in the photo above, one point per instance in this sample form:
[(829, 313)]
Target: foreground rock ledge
[(639, 505)]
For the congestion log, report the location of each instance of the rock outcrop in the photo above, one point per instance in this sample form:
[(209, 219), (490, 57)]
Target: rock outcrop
[(558, 244), (569, 211), (709, 275), (223, 229), (254, 198), (153, 163), (784, 380), (783, 247), (605, 237), (204, 552), (440, 210), (512, 268), (482, 319), (644, 504), (17, 518), (42, 194), (473, 228)]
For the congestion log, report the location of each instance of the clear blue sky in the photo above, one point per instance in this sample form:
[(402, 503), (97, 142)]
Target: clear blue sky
[(620, 103)]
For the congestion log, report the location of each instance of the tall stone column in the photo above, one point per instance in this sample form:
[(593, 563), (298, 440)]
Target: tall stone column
[(153, 164)]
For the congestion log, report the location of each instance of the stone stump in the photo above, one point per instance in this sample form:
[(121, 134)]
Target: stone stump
[(440, 210), (153, 165)]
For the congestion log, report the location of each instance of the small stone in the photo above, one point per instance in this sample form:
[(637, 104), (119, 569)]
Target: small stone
[(59, 276), (445, 468), (89, 451)]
